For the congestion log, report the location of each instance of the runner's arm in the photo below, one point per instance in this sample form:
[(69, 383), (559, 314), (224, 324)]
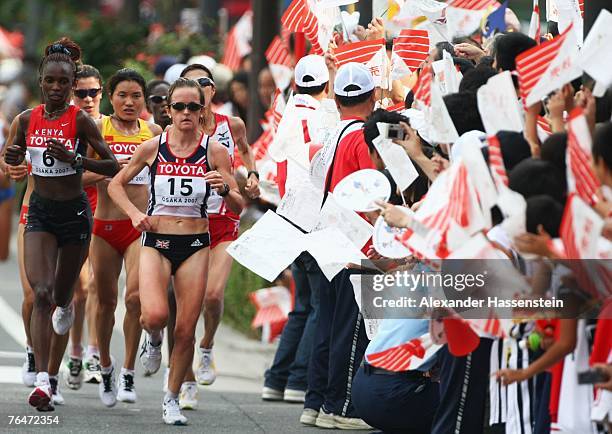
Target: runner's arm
[(15, 149), (221, 164), (142, 157), (246, 155), (88, 131)]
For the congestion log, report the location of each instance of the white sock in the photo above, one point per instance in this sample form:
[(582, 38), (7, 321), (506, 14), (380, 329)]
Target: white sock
[(53, 377), (29, 349), (125, 371), (156, 338), (107, 369), (91, 351), (42, 378), (169, 395), (206, 350)]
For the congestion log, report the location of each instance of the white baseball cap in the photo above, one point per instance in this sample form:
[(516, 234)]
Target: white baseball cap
[(353, 75), (311, 71)]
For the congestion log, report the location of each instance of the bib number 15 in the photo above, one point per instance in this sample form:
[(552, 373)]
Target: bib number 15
[(185, 188)]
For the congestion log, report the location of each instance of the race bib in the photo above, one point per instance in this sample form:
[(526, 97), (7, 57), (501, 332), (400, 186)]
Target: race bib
[(123, 151), (44, 164), (180, 184)]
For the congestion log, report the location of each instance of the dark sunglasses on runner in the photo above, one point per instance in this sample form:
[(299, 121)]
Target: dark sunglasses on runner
[(205, 81), (157, 99), (84, 93), (192, 106)]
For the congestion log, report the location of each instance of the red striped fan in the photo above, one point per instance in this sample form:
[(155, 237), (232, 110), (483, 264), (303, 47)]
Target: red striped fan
[(496, 161), (397, 107), (299, 18), (422, 89), (412, 46), (532, 63), (360, 52), (581, 177), (277, 53), (474, 5), (231, 56)]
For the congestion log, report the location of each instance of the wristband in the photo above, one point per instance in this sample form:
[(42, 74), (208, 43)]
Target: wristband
[(226, 190), (77, 162), (253, 172)]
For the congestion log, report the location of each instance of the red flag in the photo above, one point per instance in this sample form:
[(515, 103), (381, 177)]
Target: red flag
[(411, 48), (422, 89), (496, 161), (533, 63), (231, 57), (581, 178), (401, 357), (237, 44), (474, 5), (299, 18), (397, 107), (534, 25), (277, 53), (360, 52)]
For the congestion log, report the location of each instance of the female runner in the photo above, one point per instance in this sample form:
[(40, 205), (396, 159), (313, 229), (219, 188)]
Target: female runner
[(87, 95), (58, 228), (224, 223), (184, 165), (115, 241)]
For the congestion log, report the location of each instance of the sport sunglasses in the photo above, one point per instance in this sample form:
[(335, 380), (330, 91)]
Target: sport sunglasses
[(205, 81), (157, 99), (192, 106), (84, 93)]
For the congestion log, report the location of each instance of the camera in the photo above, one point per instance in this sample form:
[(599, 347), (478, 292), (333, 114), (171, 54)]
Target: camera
[(395, 132)]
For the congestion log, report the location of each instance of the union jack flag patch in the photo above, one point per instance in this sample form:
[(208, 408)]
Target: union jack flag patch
[(162, 244)]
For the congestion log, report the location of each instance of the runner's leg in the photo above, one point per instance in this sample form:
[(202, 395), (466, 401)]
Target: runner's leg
[(131, 322)]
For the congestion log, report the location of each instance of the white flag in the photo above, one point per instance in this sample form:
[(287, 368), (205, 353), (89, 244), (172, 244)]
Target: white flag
[(596, 55), (497, 104)]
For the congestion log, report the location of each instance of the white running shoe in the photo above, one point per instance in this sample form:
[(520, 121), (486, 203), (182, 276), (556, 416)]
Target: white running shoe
[(28, 370), (74, 374), (150, 356), (127, 391), (309, 417), (172, 413), (166, 376), (270, 394), (92, 370), (41, 397), (107, 389), (325, 420), (294, 396), (62, 319), (206, 373), (56, 395), (188, 398)]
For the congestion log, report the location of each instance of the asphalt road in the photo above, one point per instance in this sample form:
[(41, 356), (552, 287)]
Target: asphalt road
[(231, 405)]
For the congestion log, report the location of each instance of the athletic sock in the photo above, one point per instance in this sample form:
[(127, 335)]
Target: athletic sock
[(29, 349), (156, 338), (42, 378), (169, 395), (106, 370), (125, 371), (92, 350), (206, 350)]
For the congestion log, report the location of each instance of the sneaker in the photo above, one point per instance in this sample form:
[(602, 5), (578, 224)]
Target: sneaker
[(294, 396), (56, 395), (166, 376), (28, 370), (325, 420), (309, 417), (150, 356), (107, 389), (351, 423), (92, 370), (188, 398), (206, 373), (74, 375), (62, 319), (127, 391), (270, 394), (172, 413), (41, 397)]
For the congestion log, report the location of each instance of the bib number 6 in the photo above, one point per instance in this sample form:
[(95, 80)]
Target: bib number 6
[(47, 159), (185, 189)]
